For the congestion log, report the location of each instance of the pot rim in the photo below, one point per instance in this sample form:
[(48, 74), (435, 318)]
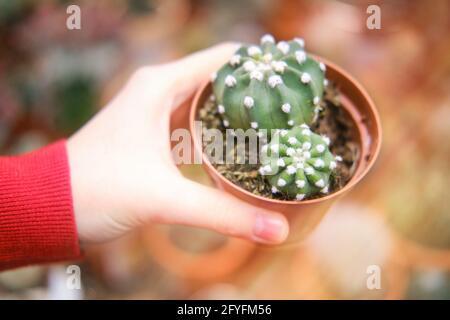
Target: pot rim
[(353, 180), (208, 265)]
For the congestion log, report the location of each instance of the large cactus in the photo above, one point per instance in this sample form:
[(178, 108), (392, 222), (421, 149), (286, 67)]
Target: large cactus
[(271, 86), (297, 162)]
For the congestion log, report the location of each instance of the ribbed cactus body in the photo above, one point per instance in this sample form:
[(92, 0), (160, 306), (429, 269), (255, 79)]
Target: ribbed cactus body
[(297, 162), (271, 86)]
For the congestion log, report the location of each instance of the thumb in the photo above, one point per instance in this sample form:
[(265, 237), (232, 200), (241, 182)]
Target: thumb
[(201, 206)]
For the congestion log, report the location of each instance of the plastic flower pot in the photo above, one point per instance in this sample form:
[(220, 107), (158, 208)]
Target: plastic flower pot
[(304, 216)]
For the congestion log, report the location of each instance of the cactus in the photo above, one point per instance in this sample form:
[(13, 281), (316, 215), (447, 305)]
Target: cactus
[(271, 86), (297, 162)]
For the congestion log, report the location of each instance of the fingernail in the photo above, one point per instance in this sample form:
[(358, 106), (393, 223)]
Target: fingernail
[(269, 229)]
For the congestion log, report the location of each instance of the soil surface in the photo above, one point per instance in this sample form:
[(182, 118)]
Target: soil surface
[(332, 121)]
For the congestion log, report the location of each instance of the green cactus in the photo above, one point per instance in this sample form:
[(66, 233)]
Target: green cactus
[(271, 86), (297, 162)]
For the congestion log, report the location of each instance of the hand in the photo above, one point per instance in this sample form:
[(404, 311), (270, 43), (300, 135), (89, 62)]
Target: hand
[(122, 172)]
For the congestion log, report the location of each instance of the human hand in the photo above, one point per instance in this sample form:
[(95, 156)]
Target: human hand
[(122, 171)]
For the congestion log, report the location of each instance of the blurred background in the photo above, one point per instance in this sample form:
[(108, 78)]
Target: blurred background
[(53, 79)]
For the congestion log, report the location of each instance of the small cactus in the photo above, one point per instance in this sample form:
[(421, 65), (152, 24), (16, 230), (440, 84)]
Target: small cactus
[(271, 86), (297, 162)]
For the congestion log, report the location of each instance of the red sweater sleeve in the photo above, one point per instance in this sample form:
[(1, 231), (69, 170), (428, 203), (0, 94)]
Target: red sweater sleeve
[(37, 222)]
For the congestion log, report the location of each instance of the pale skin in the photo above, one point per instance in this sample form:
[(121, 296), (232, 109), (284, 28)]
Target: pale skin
[(122, 172)]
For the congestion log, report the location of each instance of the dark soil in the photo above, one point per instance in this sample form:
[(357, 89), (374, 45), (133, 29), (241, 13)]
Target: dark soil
[(333, 121)]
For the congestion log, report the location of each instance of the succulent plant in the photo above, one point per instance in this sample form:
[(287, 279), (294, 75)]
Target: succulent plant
[(298, 162), (271, 86)]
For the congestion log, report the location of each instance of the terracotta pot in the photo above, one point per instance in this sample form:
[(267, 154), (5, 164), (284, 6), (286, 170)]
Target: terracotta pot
[(310, 281), (305, 215), (207, 265), (333, 263)]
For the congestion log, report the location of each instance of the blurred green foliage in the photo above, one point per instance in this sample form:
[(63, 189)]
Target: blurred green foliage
[(430, 284), (75, 101), (13, 10), (418, 201)]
